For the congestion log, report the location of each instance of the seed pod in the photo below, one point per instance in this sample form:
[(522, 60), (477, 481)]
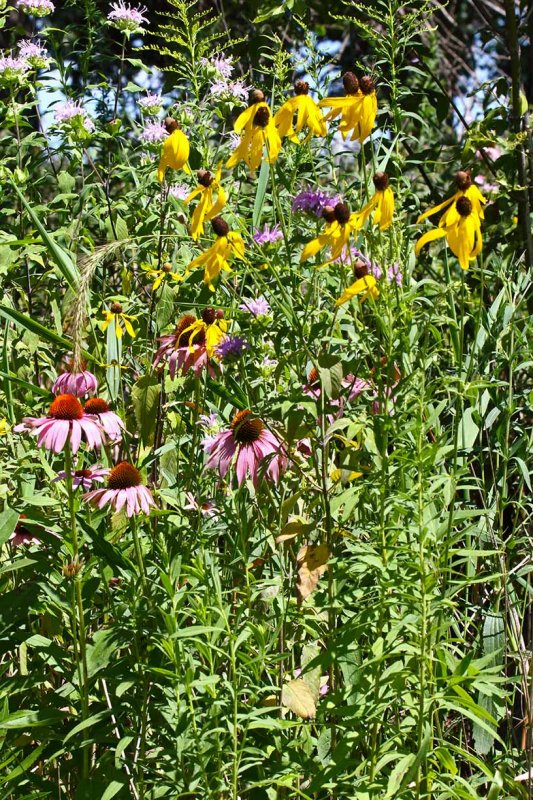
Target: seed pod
[(209, 315), (262, 117), (328, 213), (464, 206), (360, 269), (115, 308), (463, 179), (301, 87), (256, 96), (204, 177)]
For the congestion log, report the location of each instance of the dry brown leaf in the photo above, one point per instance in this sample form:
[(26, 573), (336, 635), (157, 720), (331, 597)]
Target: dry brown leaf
[(297, 697), (294, 528), (312, 563)]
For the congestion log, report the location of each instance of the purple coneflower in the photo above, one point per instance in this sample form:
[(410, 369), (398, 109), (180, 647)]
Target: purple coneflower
[(314, 201), (207, 508), (250, 439), (38, 8), (84, 478), (153, 133), (151, 104), (231, 348), (258, 306), (77, 383), (268, 235), (66, 421), (108, 420), (126, 18), (34, 53), (124, 490), (180, 352), (22, 535)]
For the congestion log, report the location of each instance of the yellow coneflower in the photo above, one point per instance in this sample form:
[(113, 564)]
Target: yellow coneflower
[(465, 188), (175, 151), (357, 109), (159, 275), (116, 315), (308, 115), (380, 206), (462, 231), (340, 224), (258, 131), (228, 244), (364, 286), (212, 328), (208, 207)]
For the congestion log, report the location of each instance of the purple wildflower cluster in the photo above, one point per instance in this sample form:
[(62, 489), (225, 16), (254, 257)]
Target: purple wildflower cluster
[(126, 18), (222, 87), (70, 114), (37, 8), (232, 348), (151, 104), (268, 235), (34, 53), (179, 191), (153, 133), (257, 307), (314, 202), (13, 69)]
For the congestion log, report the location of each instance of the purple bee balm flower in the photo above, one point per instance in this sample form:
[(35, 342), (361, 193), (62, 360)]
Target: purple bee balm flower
[(394, 273), (70, 113), (258, 307), (314, 201), (126, 18), (229, 90), (153, 133), (231, 348), (13, 69), (220, 63), (268, 235), (179, 191), (84, 478), (151, 104), (34, 53), (38, 8)]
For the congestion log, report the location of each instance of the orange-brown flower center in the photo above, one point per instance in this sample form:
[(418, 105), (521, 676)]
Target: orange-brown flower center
[(246, 428), (313, 376), (66, 406), (82, 473), (95, 405), (124, 476), (183, 336)]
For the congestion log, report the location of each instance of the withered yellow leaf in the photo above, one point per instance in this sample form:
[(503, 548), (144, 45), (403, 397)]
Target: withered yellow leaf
[(298, 698), (294, 528), (312, 563)]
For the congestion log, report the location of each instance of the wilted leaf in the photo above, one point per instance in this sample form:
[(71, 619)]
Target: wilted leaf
[(298, 698), (294, 528), (312, 563)]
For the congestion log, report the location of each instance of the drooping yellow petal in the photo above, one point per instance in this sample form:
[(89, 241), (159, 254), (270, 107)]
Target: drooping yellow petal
[(364, 286), (429, 236), (128, 326), (385, 209), (246, 117), (283, 118), (175, 153), (199, 213), (219, 204), (439, 207)]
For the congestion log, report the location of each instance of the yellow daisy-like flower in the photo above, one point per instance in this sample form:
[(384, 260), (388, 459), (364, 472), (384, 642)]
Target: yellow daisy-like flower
[(365, 286), (357, 109), (212, 325), (308, 115), (380, 206), (258, 131), (120, 319), (175, 150), (208, 207), (340, 224), (159, 275), (227, 245), (462, 231), (465, 188)]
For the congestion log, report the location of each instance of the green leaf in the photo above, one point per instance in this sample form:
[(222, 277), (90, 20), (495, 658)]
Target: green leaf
[(87, 723), (99, 653), (8, 522), (62, 259), (45, 334), (113, 355), (32, 719), (262, 184), (145, 396)]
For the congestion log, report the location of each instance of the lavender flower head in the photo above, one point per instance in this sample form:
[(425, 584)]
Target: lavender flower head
[(179, 191), (220, 64), (13, 69), (314, 202), (34, 53), (258, 307), (151, 104), (38, 8), (394, 273), (268, 235), (153, 133), (126, 18), (232, 348), (71, 115), (229, 90)]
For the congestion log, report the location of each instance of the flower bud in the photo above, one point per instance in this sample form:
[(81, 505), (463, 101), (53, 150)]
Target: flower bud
[(115, 308), (71, 569), (350, 83), (219, 314), (220, 226), (167, 267)]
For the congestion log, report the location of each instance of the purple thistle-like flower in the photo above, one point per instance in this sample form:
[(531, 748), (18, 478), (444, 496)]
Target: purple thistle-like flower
[(153, 133), (179, 191), (236, 90), (268, 235), (231, 348), (34, 53), (126, 18), (151, 104), (38, 8), (13, 68), (314, 201), (258, 306), (71, 113), (220, 63)]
